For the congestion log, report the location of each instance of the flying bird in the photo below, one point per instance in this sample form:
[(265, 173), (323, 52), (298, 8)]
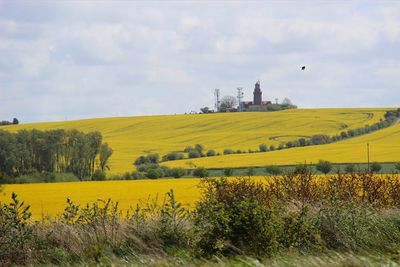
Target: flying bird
[(303, 68)]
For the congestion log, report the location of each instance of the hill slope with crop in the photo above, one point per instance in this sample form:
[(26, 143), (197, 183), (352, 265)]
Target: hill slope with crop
[(384, 147), (131, 137)]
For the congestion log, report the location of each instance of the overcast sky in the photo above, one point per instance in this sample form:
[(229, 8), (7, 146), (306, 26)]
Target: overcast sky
[(76, 59)]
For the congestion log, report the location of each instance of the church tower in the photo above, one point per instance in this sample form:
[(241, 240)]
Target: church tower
[(257, 94)]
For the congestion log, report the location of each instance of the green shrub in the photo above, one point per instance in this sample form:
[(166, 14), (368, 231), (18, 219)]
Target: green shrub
[(200, 172), (211, 153), (319, 139), (173, 156), (152, 158), (228, 151), (263, 148), (137, 175), (274, 170), (173, 222), (324, 166), (154, 173), (126, 176), (199, 148), (302, 169), (188, 149), (241, 216), (194, 154), (16, 232), (177, 172), (99, 175), (347, 225)]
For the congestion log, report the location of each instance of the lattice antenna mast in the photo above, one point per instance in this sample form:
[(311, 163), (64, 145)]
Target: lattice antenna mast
[(217, 101), (240, 97)]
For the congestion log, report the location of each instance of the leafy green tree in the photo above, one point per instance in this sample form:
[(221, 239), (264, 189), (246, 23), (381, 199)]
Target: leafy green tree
[(52, 151), (177, 172), (153, 158), (99, 175), (8, 153), (320, 139), (200, 172), (15, 121), (173, 156), (211, 153), (154, 173), (227, 103), (302, 169), (104, 156), (205, 110), (324, 166), (199, 148), (188, 149), (228, 151), (302, 142), (194, 154), (263, 147), (274, 170)]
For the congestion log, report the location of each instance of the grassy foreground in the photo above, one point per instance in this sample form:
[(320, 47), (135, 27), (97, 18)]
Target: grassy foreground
[(295, 220), (131, 137)]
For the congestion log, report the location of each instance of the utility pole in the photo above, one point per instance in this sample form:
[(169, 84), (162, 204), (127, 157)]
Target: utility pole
[(240, 97), (216, 95), (368, 155)]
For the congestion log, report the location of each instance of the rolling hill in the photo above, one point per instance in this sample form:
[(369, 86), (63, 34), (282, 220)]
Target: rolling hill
[(131, 137), (384, 147)]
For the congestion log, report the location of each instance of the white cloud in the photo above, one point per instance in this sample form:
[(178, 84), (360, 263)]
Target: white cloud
[(85, 59)]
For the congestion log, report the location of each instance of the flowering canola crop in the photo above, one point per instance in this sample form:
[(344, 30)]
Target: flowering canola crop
[(50, 199), (131, 137), (384, 147)]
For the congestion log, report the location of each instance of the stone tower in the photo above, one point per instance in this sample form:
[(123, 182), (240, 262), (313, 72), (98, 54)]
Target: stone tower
[(257, 94)]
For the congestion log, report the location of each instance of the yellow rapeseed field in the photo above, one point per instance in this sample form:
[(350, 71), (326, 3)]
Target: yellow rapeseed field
[(384, 147), (50, 199), (131, 137)]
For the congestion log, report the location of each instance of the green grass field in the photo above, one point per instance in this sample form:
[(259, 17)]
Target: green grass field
[(131, 137)]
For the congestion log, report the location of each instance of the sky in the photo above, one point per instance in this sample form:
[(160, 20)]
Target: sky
[(64, 60)]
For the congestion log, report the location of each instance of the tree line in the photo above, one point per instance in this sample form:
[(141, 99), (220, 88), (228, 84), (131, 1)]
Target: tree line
[(53, 151), (14, 121)]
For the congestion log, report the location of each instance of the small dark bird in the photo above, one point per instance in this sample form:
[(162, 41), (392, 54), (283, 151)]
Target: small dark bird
[(303, 68)]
